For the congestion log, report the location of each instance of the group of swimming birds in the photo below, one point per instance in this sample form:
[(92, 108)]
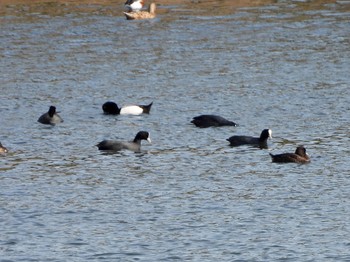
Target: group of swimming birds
[(134, 10), (203, 121)]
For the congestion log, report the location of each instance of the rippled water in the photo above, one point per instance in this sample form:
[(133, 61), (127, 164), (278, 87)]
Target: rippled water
[(188, 196)]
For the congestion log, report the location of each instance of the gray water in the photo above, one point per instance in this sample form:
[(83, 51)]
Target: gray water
[(188, 196)]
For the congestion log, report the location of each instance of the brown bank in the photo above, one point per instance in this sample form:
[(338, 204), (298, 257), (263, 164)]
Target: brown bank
[(116, 7)]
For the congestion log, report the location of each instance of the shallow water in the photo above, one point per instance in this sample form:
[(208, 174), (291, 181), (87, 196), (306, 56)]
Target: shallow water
[(188, 196)]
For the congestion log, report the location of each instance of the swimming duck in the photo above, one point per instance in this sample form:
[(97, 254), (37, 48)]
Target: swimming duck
[(3, 150), (134, 5), (134, 145), (300, 156), (50, 117), (204, 121), (111, 108), (248, 140), (151, 13)]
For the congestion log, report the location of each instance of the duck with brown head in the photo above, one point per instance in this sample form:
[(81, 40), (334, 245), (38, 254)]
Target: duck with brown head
[(299, 156)]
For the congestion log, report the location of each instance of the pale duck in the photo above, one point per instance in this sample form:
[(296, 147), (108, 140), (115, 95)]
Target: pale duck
[(151, 13)]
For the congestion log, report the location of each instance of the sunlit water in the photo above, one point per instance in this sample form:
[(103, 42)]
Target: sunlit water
[(188, 196)]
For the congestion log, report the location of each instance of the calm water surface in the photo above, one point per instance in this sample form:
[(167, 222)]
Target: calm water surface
[(188, 196)]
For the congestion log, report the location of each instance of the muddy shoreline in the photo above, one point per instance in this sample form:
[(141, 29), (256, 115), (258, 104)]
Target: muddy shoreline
[(170, 8), (115, 7)]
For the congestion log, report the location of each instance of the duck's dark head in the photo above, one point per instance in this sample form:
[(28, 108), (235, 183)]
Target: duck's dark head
[(110, 108), (52, 111), (301, 151)]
